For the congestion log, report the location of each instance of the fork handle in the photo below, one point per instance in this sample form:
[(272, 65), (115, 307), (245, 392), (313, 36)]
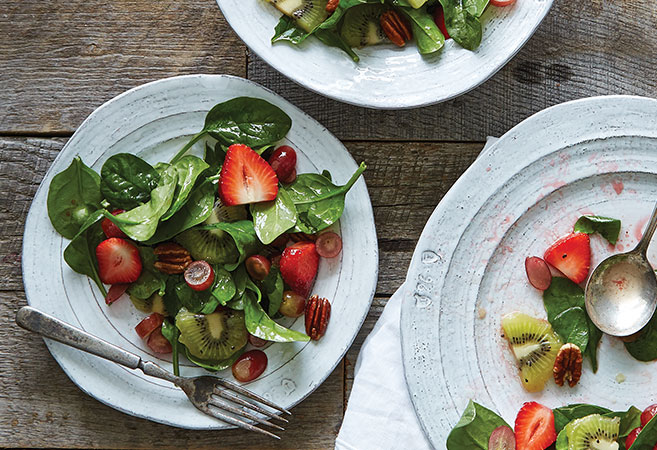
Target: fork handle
[(53, 328)]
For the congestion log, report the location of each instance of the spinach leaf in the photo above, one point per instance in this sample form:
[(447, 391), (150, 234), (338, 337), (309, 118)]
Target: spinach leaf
[(214, 157), (73, 195), (427, 35), (259, 324), (126, 181), (213, 365), (171, 333), (474, 428), (564, 304), (141, 222), (239, 277), (170, 299), (243, 120), (644, 348), (223, 290), (461, 25), (273, 288), (193, 301), (271, 219), (150, 280), (194, 211), (333, 39), (647, 437), (475, 7), (630, 419), (333, 20), (189, 168), (607, 227), (244, 235), (80, 254), (318, 201), (566, 414), (287, 30)]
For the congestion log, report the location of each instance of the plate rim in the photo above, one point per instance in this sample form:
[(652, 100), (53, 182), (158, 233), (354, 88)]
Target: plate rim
[(53, 345), (477, 168), (400, 105)]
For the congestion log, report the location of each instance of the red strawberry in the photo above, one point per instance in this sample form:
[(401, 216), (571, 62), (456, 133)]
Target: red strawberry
[(118, 261), (110, 229), (246, 178), (534, 427), (629, 440), (571, 255), (298, 265)]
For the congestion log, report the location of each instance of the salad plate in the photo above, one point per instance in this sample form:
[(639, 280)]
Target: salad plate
[(595, 156), (154, 122), (388, 77)]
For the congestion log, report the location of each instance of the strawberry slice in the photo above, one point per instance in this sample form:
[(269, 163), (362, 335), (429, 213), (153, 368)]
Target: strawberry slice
[(571, 255), (118, 261), (534, 427), (246, 178), (298, 266), (110, 229)]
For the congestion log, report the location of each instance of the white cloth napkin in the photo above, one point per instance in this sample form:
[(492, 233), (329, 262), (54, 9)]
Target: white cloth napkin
[(380, 415)]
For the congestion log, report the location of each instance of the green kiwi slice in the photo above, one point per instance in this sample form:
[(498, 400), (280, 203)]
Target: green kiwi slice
[(215, 336), (535, 346), (362, 25), (307, 13), (594, 432), (152, 304)]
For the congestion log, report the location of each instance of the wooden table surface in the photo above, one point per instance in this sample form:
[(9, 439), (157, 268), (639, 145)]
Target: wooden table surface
[(59, 60)]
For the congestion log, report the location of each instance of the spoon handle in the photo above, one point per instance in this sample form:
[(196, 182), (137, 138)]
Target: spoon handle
[(643, 244)]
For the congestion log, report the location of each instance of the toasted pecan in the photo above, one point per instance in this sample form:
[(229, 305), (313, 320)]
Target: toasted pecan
[(318, 313), (172, 258), (568, 365), (396, 27)]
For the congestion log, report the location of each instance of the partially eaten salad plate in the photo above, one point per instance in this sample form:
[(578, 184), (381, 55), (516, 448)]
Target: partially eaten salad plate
[(204, 223)]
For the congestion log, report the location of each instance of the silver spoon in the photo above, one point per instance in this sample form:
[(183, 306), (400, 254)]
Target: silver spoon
[(621, 294)]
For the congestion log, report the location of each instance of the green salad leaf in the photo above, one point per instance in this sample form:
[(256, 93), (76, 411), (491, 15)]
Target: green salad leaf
[(193, 301), (475, 7), (333, 39), (189, 168), (462, 25), (150, 280), (474, 428), (273, 288), (214, 157), (73, 195), (244, 235), (607, 227), (271, 219), (259, 324), (287, 30), (126, 181), (172, 333), (428, 36), (644, 347), (566, 414), (80, 254)]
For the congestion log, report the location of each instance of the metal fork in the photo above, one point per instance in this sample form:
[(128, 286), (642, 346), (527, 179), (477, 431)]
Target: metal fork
[(204, 392)]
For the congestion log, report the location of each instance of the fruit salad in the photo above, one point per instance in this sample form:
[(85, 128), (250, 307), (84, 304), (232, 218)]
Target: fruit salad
[(573, 427), (349, 24), (212, 250)]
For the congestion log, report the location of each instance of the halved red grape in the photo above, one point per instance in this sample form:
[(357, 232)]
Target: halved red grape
[(290, 178), (199, 275), (258, 267), (250, 365), (149, 324), (283, 160), (328, 245), (110, 229), (115, 292), (293, 304), (648, 414), (256, 341), (502, 438), (538, 273), (158, 343)]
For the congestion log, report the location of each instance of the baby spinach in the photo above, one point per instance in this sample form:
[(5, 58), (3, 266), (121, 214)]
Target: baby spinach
[(644, 348), (243, 120), (140, 223), (333, 20), (333, 39), (564, 304), (214, 157), (172, 333), (73, 195), (607, 227), (271, 219), (170, 299), (273, 288), (126, 181), (223, 290), (318, 201), (461, 24), (259, 324), (189, 168), (193, 301), (566, 414), (150, 280), (474, 428), (80, 254), (475, 7), (427, 35), (288, 31), (244, 235)]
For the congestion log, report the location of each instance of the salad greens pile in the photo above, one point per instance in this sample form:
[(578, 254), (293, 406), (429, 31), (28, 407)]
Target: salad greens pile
[(166, 199)]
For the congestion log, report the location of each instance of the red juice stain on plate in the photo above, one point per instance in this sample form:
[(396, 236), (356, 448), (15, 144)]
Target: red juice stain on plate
[(638, 228), (618, 186)]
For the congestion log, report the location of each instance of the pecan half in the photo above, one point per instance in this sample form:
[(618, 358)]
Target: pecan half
[(396, 27), (171, 258), (332, 5), (568, 365), (318, 312)]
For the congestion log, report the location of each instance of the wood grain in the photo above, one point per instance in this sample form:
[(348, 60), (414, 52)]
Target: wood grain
[(66, 58), (594, 47), (405, 186)]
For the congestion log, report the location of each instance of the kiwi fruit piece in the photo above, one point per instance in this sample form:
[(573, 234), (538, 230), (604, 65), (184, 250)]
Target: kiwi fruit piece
[(152, 304), (214, 336), (223, 213), (361, 25), (535, 346), (306, 13), (594, 432)]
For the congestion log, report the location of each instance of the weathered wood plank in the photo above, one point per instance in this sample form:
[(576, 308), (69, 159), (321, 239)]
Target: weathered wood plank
[(61, 60), (580, 50)]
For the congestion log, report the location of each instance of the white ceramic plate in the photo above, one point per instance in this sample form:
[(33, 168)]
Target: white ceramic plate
[(388, 77), (154, 121), (596, 155)]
